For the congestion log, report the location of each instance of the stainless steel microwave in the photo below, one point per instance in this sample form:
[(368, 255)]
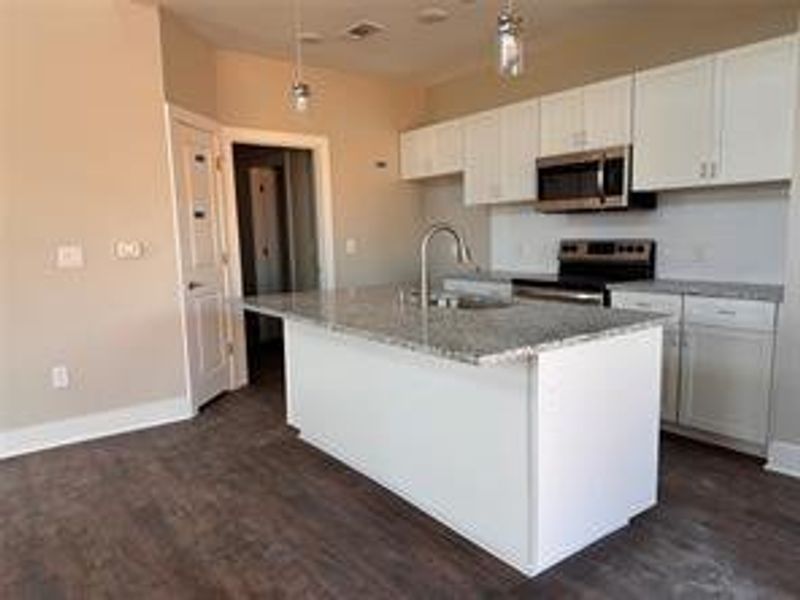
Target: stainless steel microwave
[(596, 180)]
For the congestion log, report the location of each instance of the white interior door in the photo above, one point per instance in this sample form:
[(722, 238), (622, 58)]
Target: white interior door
[(202, 267)]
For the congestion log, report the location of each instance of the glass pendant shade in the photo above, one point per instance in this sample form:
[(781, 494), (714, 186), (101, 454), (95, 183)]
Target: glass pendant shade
[(509, 44), (301, 96)]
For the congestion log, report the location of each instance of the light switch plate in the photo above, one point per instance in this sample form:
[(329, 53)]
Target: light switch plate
[(351, 246), (60, 377), (69, 257)]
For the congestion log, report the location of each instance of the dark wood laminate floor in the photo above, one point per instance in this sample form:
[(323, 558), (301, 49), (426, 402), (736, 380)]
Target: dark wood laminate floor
[(232, 505)]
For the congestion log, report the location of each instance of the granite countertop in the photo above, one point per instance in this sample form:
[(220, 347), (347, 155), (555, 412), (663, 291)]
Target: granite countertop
[(691, 287), (710, 289), (481, 336)]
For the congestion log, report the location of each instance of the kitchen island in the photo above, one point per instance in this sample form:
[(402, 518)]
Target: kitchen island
[(530, 429)]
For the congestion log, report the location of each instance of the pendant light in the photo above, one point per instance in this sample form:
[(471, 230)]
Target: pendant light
[(301, 91), (509, 42)]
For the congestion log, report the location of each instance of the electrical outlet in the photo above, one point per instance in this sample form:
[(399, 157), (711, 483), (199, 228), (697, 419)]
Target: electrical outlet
[(60, 377)]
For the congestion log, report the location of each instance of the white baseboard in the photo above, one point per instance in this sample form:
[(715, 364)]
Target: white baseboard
[(80, 429), (784, 458)]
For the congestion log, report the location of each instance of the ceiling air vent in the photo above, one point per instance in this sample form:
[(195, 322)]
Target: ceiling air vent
[(363, 29)]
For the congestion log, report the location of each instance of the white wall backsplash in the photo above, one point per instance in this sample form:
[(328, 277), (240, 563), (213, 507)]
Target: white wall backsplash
[(731, 234)]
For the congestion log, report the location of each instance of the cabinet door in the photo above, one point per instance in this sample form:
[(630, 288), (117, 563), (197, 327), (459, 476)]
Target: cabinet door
[(482, 161), (447, 143), (416, 151), (673, 125), (670, 376), (561, 123), (757, 91), (726, 381), (519, 144), (607, 113)]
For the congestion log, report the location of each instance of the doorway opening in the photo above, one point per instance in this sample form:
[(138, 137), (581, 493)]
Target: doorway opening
[(278, 240)]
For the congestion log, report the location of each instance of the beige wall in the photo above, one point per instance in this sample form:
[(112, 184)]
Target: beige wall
[(189, 70), (361, 116), (84, 161), (786, 417), (645, 40)]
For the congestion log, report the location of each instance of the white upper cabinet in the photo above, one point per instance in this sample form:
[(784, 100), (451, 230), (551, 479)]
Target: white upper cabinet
[(482, 166), (607, 113), (500, 150), (561, 123), (432, 151), (673, 125), (587, 118), (757, 96), (448, 147), (519, 148), (414, 148), (722, 119)]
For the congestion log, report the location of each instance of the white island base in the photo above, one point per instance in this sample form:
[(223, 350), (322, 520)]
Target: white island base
[(531, 460)]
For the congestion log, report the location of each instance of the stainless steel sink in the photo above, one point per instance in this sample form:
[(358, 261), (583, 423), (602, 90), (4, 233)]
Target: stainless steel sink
[(458, 301)]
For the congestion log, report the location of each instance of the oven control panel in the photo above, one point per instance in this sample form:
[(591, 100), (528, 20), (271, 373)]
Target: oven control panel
[(619, 250)]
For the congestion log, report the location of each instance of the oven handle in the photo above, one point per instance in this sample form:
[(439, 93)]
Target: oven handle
[(546, 293)]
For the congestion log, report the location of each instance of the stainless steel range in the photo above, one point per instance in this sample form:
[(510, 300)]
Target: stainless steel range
[(586, 267)]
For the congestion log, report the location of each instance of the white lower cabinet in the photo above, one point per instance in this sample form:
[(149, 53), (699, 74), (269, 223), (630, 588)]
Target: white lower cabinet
[(726, 381), (726, 367), (717, 373), (670, 375)]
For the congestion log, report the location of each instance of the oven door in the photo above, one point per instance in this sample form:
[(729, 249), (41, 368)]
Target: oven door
[(583, 182)]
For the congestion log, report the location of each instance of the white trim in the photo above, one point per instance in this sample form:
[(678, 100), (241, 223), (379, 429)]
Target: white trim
[(320, 149), (174, 114), (24, 440), (784, 458)]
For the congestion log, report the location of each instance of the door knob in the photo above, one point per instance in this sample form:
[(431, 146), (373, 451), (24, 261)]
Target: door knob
[(193, 285)]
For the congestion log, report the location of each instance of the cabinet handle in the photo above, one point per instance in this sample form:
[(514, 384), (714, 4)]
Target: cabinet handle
[(703, 170), (726, 313), (713, 170)]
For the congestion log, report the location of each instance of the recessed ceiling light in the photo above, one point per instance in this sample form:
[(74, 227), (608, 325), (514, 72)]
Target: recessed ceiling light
[(432, 14), (363, 29)]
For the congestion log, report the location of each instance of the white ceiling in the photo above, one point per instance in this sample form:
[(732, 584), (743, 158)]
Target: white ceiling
[(408, 48)]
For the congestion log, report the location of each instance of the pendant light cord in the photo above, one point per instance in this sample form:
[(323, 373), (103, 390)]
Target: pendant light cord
[(298, 44)]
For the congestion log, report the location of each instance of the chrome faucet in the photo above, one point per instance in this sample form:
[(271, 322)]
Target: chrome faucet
[(462, 255)]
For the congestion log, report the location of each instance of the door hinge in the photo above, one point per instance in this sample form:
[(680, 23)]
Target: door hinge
[(229, 348), (218, 162), (224, 258)]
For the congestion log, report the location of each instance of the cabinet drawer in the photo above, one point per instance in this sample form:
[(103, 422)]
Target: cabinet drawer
[(659, 303), (724, 312)]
